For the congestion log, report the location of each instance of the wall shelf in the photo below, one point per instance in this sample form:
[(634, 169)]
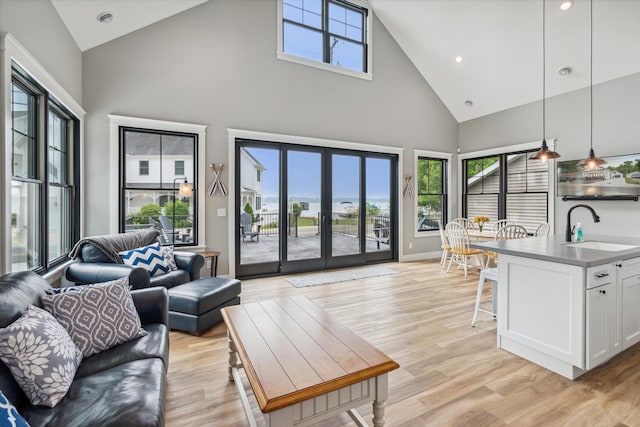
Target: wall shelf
[(567, 198)]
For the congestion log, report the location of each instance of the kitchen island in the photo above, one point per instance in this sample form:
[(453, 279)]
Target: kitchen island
[(567, 307)]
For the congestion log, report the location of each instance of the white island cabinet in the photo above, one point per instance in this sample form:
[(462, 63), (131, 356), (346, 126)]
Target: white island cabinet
[(567, 309)]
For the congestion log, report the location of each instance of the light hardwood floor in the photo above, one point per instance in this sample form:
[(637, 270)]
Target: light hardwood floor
[(450, 373)]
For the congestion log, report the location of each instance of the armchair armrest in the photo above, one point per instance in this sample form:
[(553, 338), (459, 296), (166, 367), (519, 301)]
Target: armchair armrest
[(191, 262), (84, 273), (152, 304)]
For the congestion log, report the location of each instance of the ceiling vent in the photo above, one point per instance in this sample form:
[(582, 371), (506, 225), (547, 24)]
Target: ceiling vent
[(105, 17)]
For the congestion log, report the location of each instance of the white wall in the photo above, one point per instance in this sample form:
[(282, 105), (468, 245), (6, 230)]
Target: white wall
[(39, 29), (616, 130), (216, 65)]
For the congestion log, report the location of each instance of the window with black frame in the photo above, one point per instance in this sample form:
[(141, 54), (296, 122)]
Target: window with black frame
[(507, 186), (44, 204), (432, 193), (329, 31), (150, 195)]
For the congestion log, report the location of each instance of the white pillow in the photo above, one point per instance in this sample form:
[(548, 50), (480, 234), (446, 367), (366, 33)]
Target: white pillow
[(40, 355)]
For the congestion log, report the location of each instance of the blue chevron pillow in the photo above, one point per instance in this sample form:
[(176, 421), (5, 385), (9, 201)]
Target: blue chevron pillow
[(148, 257)]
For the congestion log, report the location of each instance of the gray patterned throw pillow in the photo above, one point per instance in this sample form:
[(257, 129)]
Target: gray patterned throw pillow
[(41, 356), (97, 317)]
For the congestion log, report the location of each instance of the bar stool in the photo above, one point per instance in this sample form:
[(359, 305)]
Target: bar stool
[(487, 274)]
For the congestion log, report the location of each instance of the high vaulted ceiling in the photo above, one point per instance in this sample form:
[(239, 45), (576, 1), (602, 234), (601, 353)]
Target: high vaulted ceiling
[(500, 42), (81, 17)]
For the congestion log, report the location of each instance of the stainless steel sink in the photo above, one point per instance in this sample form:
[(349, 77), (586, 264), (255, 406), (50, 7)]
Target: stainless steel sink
[(602, 246)]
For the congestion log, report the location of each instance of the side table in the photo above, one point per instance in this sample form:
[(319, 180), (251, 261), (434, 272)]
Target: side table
[(214, 260)]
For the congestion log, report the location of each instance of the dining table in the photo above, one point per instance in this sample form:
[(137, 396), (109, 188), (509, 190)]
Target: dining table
[(483, 235)]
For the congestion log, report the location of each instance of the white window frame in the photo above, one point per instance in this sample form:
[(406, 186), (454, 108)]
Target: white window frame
[(433, 155), (281, 54), (115, 122), (551, 142)]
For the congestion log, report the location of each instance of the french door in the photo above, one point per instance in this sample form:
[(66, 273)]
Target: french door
[(311, 208)]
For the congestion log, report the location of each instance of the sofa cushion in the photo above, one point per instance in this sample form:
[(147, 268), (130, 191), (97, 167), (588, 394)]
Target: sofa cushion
[(148, 257), (97, 317), (131, 394), (171, 279), (41, 356), (90, 253), (19, 290), (154, 344), (9, 415)]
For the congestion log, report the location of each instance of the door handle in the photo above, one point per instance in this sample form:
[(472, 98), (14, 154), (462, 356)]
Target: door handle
[(603, 291)]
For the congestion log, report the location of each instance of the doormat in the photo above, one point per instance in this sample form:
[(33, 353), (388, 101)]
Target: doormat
[(339, 276)]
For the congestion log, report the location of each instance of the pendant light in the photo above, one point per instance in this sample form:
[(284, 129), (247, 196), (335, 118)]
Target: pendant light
[(544, 153), (591, 162)]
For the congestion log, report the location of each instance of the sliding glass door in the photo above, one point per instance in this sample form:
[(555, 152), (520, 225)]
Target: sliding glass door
[(307, 208)]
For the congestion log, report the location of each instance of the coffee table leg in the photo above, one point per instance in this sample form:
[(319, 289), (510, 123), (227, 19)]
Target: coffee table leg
[(382, 390), (233, 356)]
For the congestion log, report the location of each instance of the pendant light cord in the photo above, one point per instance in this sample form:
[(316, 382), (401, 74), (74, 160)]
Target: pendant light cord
[(591, 71), (544, 69)]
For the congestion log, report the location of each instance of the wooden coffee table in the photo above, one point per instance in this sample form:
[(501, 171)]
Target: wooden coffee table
[(302, 364)]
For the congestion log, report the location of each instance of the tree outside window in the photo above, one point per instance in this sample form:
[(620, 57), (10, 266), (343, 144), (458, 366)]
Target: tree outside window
[(432, 194)]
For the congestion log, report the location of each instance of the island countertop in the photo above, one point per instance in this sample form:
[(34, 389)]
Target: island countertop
[(555, 249)]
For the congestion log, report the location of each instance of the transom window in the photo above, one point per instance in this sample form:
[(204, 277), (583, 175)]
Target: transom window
[(332, 32)]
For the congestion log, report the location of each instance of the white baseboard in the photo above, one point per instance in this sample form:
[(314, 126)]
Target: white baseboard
[(421, 256)]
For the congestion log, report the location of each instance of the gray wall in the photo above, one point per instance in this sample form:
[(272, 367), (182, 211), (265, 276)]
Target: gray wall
[(616, 131), (216, 65), (38, 27)]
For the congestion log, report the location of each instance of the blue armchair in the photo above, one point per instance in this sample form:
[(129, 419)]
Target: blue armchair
[(92, 265)]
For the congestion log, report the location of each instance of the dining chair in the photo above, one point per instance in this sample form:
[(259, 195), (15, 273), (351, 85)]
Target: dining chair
[(511, 231), (542, 230), (444, 244), (500, 224), (459, 242), (465, 222)]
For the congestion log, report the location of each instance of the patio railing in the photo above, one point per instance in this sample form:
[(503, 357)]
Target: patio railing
[(341, 223)]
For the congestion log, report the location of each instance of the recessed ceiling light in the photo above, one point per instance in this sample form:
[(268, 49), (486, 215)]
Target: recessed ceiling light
[(468, 103), (566, 4), (565, 71), (105, 17), (459, 59)]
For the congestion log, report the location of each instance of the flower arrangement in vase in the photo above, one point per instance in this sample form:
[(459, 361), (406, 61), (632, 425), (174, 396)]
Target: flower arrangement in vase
[(480, 220)]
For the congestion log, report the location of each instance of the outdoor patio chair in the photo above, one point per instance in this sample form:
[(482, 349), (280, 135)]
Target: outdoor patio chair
[(381, 232), (167, 228), (246, 227)]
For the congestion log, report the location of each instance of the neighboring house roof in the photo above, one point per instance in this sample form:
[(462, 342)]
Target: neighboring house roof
[(148, 144), (491, 169), (253, 159), (247, 190)]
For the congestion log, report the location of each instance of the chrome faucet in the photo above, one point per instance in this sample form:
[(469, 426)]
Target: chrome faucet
[(595, 216)]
